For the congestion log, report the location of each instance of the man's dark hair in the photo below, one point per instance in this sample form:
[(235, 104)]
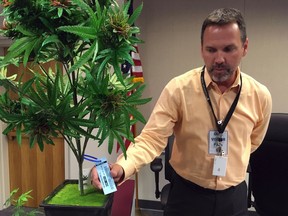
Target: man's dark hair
[(224, 16)]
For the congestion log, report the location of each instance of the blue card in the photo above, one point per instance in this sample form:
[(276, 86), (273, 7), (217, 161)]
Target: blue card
[(105, 177)]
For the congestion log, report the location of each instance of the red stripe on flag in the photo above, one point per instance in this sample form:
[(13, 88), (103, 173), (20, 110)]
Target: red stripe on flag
[(137, 70)]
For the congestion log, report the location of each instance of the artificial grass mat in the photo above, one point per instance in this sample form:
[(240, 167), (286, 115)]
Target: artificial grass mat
[(70, 195)]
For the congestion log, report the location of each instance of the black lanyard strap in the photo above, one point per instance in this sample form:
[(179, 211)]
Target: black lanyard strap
[(221, 125)]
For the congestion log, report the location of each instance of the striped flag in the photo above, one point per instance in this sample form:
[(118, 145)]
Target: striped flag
[(136, 70)]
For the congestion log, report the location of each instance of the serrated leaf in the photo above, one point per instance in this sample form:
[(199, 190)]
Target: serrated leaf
[(84, 58), (17, 48), (88, 9), (81, 31), (25, 32)]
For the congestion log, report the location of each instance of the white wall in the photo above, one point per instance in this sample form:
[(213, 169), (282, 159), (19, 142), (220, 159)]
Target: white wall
[(171, 31), (4, 163), (4, 169)]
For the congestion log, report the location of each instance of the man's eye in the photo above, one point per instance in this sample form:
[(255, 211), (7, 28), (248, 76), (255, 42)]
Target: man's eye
[(229, 49), (211, 50)]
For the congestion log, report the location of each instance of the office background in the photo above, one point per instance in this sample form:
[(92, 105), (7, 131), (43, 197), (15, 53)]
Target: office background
[(171, 31)]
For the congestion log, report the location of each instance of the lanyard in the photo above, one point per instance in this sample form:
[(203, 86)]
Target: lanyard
[(91, 158), (221, 125)]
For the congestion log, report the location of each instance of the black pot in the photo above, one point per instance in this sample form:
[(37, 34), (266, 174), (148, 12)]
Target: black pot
[(63, 210)]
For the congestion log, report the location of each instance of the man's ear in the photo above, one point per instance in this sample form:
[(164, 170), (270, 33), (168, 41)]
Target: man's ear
[(245, 46)]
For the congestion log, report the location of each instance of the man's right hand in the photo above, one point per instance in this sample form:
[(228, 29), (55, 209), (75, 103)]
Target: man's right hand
[(116, 171)]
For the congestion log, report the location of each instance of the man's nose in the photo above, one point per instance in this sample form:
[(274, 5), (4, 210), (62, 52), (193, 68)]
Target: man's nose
[(219, 58)]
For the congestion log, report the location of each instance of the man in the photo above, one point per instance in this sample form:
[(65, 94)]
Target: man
[(218, 115)]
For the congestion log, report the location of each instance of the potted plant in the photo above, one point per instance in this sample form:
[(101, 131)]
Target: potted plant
[(18, 203), (86, 89)]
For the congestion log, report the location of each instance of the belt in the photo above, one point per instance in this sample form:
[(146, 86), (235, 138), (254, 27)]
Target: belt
[(179, 179)]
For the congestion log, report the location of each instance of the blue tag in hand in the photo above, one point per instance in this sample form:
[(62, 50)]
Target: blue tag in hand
[(105, 177)]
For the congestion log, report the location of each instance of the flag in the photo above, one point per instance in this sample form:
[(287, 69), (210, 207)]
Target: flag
[(134, 70)]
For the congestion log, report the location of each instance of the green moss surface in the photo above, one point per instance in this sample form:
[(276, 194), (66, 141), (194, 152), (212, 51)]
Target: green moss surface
[(70, 195)]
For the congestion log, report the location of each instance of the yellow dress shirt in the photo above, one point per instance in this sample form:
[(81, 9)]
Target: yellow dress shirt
[(182, 109)]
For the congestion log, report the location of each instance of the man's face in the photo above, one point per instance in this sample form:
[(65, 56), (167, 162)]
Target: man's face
[(222, 51)]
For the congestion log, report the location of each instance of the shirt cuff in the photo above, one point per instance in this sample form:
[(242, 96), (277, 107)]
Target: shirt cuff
[(127, 165)]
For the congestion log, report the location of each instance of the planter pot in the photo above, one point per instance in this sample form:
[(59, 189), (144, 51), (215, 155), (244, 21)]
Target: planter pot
[(76, 210)]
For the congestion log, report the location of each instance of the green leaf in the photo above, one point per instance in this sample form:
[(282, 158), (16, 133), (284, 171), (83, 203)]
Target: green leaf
[(136, 114), (103, 65), (126, 7), (17, 48), (98, 11), (121, 143), (51, 39), (9, 128), (95, 51), (82, 122), (139, 101), (135, 14), (88, 9), (25, 32), (40, 143), (71, 134), (19, 134), (52, 92), (82, 31), (111, 142), (27, 85), (41, 93), (84, 58), (60, 11), (76, 128), (117, 69), (47, 24), (32, 140), (135, 40), (30, 46)]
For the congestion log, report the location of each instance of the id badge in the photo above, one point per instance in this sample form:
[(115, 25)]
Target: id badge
[(220, 165), (218, 141), (105, 177)]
